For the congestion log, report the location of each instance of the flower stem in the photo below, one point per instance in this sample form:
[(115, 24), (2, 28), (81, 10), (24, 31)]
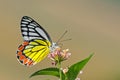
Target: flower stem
[(60, 72)]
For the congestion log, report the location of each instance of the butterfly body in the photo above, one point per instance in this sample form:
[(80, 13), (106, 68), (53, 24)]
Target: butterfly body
[(37, 43)]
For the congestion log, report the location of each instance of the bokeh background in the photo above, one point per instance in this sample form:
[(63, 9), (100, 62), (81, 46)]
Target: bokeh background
[(93, 25)]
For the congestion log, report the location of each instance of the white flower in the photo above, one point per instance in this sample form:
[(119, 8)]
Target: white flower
[(77, 79), (81, 72), (65, 70)]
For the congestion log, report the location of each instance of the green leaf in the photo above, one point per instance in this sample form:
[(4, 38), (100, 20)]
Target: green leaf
[(75, 68), (48, 71)]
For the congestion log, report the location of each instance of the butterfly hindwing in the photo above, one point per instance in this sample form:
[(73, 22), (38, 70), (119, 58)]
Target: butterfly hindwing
[(30, 53), (21, 57)]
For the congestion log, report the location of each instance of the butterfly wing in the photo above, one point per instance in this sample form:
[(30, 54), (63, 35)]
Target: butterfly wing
[(36, 42), (32, 30), (32, 52)]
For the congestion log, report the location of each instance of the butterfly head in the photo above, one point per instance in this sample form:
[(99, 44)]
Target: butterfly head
[(53, 47)]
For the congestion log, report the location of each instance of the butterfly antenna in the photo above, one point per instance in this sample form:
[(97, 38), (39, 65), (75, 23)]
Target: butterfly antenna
[(61, 36)]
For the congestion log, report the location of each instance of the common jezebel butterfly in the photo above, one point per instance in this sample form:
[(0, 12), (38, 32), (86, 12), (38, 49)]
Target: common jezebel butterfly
[(37, 42)]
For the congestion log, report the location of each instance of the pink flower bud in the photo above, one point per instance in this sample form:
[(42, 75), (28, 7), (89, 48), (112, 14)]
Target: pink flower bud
[(59, 55)]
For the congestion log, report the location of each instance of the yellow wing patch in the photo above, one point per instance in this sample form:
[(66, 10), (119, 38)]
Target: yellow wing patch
[(33, 52), (37, 50)]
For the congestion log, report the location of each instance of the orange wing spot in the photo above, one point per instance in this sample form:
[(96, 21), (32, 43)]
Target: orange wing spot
[(25, 43), (22, 57), (30, 63), (19, 53), (25, 61), (21, 47)]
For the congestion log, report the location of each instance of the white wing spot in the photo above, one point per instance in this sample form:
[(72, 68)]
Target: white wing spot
[(23, 25), (33, 34), (27, 20), (34, 38), (24, 29), (31, 30), (31, 26), (26, 38), (24, 22), (25, 33), (42, 33)]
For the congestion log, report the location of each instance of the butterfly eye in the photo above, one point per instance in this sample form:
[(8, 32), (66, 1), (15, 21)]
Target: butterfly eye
[(54, 45)]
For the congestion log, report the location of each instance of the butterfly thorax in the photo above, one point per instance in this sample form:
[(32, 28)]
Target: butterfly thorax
[(53, 47)]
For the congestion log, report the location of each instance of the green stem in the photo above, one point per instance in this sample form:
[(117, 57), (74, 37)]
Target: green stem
[(60, 72)]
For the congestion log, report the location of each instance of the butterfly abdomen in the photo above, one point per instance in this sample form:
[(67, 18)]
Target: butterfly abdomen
[(22, 58)]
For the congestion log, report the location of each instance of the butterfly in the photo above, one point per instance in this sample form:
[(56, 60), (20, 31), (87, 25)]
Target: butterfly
[(37, 42)]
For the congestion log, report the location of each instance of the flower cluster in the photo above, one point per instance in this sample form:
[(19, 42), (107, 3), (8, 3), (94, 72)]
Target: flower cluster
[(59, 55)]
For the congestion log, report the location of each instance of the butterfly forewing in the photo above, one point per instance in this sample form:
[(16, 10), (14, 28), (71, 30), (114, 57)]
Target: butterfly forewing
[(32, 30)]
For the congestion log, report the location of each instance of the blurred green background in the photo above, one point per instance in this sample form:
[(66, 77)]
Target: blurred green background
[(93, 25)]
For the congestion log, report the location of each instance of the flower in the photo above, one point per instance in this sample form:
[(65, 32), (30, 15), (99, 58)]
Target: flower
[(81, 72), (59, 55), (77, 79), (65, 70)]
